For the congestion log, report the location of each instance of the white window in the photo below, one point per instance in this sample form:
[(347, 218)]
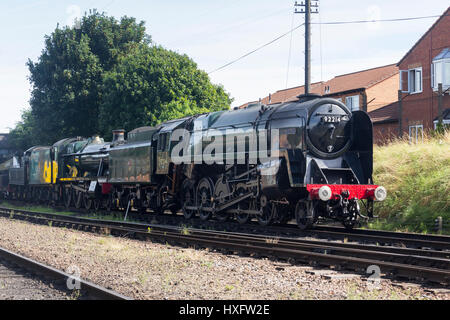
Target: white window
[(440, 73), (352, 103), (411, 80), (416, 134), (446, 124)]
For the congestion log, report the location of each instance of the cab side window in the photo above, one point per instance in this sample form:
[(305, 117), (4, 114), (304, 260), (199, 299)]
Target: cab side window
[(163, 142)]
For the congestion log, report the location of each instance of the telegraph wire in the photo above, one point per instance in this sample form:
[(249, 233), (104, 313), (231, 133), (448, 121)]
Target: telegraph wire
[(320, 23), (290, 52), (372, 21), (257, 49)]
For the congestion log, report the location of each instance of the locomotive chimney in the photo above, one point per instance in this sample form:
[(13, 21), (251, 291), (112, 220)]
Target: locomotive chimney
[(118, 136)]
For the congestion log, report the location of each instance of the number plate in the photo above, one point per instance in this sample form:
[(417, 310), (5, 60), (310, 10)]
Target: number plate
[(331, 119)]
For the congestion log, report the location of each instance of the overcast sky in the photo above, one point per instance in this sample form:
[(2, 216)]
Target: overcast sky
[(214, 32)]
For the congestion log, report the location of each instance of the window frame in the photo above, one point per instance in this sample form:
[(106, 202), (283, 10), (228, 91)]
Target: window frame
[(409, 80), (416, 131), (445, 77), (352, 99), (446, 123)]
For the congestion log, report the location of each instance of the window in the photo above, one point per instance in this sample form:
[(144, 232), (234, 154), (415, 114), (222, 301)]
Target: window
[(163, 144), (440, 70), (411, 80), (352, 103), (416, 133), (446, 124)]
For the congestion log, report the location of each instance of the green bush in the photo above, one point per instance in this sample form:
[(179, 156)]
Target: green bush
[(417, 178)]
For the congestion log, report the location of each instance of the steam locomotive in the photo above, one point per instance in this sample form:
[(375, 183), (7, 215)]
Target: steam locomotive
[(298, 160)]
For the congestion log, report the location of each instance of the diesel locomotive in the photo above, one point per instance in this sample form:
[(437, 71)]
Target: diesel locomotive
[(299, 160)]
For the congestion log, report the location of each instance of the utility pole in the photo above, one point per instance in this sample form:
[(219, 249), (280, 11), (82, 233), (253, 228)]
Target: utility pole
[(307, 7), (440, 109), (400, 114)]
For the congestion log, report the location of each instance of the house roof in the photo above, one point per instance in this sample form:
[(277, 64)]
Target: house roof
[(247, 104), (344, 83), (385, 114), (291, 94), (445, 14), (445, 54), (361, 79)]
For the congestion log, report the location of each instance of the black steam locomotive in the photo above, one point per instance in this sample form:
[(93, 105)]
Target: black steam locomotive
[(299, 160)]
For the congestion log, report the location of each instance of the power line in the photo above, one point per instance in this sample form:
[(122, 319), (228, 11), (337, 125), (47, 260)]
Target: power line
[(290, 52), (321, 49), (372, 21), (257, 49), (320, 23)]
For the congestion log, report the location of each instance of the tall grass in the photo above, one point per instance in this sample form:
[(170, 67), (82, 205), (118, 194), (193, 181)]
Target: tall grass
[(417, 177)]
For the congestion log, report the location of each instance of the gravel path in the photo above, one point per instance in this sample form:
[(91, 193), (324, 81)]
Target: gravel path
[(146, 270)]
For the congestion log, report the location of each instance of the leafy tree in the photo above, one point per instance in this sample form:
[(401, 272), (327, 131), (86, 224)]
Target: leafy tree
[(22, 137), (107, 74), (152, 85), (67, 78)]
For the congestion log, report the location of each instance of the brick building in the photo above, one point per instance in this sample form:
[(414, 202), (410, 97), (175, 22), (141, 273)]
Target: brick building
[(422, 69)]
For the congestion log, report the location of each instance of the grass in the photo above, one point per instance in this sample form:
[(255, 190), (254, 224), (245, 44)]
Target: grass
[(47, 209), (36, 208), (417, 178)]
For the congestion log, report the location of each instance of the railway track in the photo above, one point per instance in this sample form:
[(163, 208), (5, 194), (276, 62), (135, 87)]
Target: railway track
[(88, 290), (378, 237), (429, 265), (19, 284)]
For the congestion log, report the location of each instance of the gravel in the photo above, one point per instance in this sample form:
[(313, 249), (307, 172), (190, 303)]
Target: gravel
[(146, 270)]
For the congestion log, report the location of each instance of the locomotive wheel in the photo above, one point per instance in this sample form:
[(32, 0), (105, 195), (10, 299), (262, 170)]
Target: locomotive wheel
[(97, 204), (29, 196), (352, 219), (78, 199), (174, 210), (268, 212), (188, 198), (221, 191), (349, 225), (301, 211), (87, 202), (109, 203), (205, 193), (243, 218), (43, 198), (38, 195), (285, 215)]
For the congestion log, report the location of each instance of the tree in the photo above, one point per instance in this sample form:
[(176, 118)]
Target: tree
[(107, 74), (22, 137), (151, 85), (67, 78)]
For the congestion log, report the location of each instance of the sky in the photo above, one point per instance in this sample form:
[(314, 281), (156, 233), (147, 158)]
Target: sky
[(215, 32)]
